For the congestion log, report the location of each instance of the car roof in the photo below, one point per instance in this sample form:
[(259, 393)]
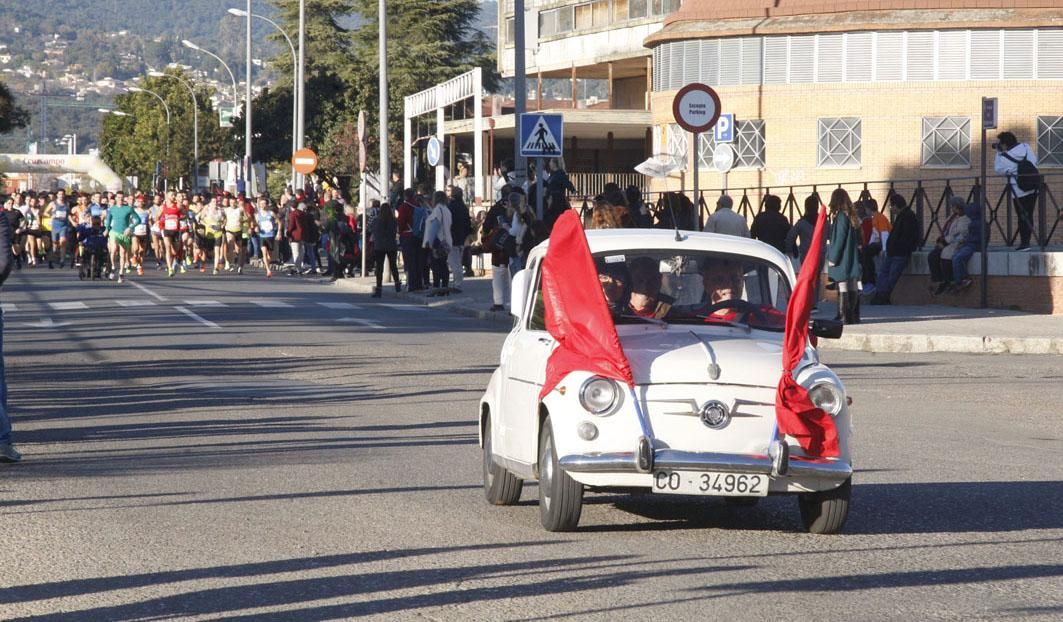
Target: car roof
[(607, 240)]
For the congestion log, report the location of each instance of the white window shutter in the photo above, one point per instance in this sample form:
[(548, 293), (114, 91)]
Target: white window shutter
[(829, 58), (730, 62), (858, 57), (889, 59), (985, 55), (775, 60), (920, 56), (1018, 55), (1050, 54), (952, 55), (802, 59), (751, 60), (710, 62)]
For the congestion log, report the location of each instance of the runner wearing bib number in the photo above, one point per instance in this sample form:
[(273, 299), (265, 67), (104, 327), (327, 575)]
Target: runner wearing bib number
[(141, 234), (59, 211), (170, 223), (266, 223), (120, 221), (234, 225)]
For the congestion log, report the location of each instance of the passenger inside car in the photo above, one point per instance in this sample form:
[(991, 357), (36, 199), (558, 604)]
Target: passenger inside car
[(615, 281), (646, 298)]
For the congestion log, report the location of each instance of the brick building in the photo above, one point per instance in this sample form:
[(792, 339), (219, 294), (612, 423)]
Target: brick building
[(851, 91)]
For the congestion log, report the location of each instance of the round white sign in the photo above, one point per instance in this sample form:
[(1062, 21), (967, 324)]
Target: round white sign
[(696, 108), (723, 158)]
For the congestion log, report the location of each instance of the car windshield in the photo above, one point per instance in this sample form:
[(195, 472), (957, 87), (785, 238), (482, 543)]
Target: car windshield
[(694, 287)]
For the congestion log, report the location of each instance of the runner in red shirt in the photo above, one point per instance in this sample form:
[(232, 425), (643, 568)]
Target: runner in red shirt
[(170, 223)]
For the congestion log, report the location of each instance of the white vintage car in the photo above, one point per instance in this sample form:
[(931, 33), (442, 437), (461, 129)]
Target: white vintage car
[(701, 322)]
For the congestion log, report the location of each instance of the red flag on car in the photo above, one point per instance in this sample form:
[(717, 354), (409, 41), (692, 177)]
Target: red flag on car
[(796, 414), (576, 313)]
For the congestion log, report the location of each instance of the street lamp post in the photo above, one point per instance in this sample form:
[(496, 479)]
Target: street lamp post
[(192, 46), (301, 81), (295, 82), (195, 124)]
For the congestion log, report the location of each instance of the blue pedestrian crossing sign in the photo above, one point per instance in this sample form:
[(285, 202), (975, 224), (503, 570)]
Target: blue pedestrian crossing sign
[(541, 135), (435, 151)]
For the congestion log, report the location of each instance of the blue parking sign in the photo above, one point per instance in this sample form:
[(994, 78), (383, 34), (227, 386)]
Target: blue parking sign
[(541, 135), (724, 132)]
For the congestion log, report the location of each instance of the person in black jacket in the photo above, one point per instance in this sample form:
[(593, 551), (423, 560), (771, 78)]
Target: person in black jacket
[(8, 453), (770, 226), (902, 242), (460, 226)]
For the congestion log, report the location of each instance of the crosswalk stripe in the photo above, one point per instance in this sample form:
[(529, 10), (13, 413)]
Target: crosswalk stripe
[(9, 307), (346, 306), (404, 307), (271, 304), (135, 303), (199, 302), (68, 306)]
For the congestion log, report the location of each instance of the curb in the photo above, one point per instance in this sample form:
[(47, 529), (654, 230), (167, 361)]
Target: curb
[(851, 342)]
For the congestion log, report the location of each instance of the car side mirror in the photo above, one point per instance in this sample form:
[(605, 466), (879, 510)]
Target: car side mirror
[(518, 292), (826, 329)]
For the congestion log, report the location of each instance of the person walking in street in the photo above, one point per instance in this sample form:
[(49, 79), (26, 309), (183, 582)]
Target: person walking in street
[(460, 226), (1018, 164), (725, 220), (438, 243), (8, 453), (902, 242), (843, 255), (385, 246), (770, 226)]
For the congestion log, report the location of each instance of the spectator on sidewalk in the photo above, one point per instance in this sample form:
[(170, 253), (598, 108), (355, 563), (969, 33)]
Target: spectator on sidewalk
[(725, 220), (843, 255), (8, 453), (411, 252), (1013, 156), (298, 222), (876, 229), (803, 230), (770, 226), (460, 226), (970, 245), (902, 242), (492, 227), (438, 243), (384, 234), (953, 232)]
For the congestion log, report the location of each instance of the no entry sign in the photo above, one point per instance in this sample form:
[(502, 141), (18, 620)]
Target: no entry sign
[(696, 108)]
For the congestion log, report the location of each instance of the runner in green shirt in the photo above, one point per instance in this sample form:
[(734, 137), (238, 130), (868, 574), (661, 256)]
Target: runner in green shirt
[(121, 218)]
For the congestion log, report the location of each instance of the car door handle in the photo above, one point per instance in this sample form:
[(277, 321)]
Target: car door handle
[(546, 341)]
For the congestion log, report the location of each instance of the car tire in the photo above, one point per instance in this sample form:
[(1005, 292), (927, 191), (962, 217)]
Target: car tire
[(825, 512), (500, 486), (560, 496)]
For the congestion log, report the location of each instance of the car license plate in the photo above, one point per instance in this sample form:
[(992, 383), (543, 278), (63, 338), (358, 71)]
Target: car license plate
[(710, 483)]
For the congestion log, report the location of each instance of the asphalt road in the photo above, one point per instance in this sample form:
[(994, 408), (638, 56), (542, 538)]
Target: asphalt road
[(232, 447)]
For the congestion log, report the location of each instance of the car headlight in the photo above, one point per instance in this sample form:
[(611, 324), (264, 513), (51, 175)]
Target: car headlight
[(826, 397), (598, 395)]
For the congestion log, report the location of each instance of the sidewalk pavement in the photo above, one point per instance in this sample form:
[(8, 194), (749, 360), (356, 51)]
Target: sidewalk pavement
[(897, 328)]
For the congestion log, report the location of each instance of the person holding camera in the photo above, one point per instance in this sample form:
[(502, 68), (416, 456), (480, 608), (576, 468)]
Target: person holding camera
[(1018, 164)]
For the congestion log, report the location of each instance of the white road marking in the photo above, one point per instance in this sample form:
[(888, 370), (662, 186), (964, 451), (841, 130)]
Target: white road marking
[(135, 303), (197, 317), (147, 291), (361, 322), (271, 304), (346, 306), (68, 306), (45, 323), (199, 302), (9, 307), (404, 307)]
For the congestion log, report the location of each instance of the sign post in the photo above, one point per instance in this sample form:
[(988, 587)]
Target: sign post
[(361, 189), (989, 122), (541, 136), (696, 109)]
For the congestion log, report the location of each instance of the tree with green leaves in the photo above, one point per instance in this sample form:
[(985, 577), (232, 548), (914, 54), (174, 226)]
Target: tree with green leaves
[(131, 145), (11, 115)]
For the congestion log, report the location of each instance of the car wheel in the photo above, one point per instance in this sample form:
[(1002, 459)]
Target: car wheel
[(560, 496), (825, 512), (500, 486)]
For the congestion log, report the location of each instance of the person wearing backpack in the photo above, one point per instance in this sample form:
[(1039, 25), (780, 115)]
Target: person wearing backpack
[(1018, 164), (411, 246)]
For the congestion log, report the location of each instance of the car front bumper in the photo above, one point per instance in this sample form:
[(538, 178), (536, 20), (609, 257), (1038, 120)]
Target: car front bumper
[(800, 467)]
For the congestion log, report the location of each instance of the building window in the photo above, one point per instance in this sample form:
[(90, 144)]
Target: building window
[(1050, 141), (511, 30), (637, 8), (947, 142), (547, 24), (839, 142), (748, 146), (677, 146)]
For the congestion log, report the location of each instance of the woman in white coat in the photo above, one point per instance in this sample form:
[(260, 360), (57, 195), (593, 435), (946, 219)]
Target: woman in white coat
[(437, 243)]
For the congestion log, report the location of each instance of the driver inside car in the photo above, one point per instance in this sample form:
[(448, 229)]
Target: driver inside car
[(724, 283), (615, 281)]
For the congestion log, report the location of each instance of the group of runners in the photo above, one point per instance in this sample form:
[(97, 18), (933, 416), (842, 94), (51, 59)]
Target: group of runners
[(114, 234)]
